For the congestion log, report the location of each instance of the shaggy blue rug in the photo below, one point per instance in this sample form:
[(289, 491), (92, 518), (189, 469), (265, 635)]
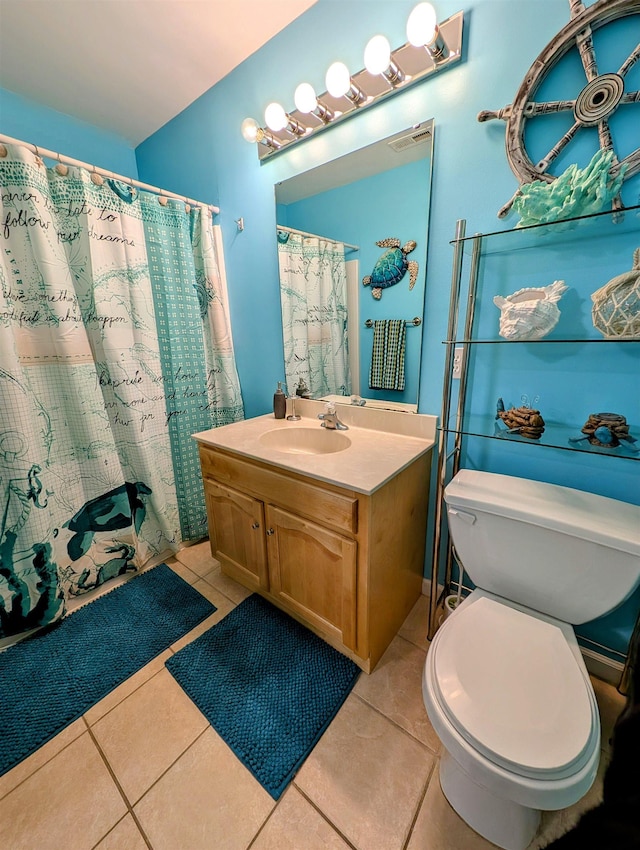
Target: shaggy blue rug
[(50, 679), (267, 685)]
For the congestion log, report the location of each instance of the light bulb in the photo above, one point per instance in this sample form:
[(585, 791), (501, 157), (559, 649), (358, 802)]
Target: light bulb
[(422, 25), (305, 98), (249, 129), (338, 79), (275, 117), (377, 55)]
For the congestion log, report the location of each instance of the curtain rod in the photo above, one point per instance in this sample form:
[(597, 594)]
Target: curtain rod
[(315, 236), (67, 160)]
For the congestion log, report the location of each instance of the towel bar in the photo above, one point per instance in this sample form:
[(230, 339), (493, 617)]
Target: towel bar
[(415, 322)]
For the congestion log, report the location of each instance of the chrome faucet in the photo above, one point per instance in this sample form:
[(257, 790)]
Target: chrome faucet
[(331, 421)]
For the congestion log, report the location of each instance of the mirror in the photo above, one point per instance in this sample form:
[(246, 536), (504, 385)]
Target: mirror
[(379, 193)]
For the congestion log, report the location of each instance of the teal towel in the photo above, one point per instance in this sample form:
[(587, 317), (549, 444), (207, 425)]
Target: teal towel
[(387, 356)]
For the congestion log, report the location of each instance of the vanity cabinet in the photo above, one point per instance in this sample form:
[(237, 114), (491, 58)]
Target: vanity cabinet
[(347, 565), (239, 540)]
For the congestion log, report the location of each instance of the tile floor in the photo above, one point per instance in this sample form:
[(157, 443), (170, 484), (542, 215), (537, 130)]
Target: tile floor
[(143, 768)]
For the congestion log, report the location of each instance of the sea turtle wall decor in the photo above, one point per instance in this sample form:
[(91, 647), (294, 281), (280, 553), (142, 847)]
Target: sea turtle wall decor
[(392, 266)]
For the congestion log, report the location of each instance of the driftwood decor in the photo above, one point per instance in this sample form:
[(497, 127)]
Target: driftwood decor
[(523, 421), (602, 95), (606, 430)]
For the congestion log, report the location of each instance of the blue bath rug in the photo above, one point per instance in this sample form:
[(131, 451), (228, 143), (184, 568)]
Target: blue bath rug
[(50, 679), (267, 685)]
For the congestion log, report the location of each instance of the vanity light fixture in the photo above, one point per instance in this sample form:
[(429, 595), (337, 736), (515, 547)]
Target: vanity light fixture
[(340, 84), (253, 132), (377, 60), (306, 101), (423, 31), (277, 119), (431, 47)]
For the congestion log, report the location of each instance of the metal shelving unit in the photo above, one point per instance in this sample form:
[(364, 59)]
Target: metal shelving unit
[(455, 423)]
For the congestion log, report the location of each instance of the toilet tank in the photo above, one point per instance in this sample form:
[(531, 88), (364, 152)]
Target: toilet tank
[(563, 552)]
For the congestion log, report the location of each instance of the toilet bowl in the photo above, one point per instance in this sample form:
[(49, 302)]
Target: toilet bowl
[(504, 683)]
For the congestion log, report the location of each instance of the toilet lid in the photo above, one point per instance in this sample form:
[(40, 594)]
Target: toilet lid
[(511, 686)]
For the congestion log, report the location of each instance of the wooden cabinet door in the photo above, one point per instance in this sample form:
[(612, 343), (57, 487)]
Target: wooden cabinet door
[(236, 529), (313, 572)]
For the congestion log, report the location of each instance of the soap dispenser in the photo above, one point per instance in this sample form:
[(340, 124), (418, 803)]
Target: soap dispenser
[(279, 402)]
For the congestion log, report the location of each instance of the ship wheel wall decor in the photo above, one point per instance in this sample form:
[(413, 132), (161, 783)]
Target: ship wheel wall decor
[(602, 95)]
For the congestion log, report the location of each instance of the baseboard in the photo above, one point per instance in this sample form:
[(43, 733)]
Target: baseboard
[(598, 665), (602, 667)]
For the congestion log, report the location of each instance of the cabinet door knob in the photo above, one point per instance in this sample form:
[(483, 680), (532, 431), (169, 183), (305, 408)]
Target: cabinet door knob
[(270, 531), (255, 525)]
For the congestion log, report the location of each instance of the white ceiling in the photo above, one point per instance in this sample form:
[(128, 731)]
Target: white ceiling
[(129, 66)]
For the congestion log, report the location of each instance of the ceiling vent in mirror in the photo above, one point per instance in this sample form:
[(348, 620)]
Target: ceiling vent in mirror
[(410, 140)]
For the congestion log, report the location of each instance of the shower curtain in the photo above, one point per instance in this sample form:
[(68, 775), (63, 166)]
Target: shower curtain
[(115, 347), (313, 292)]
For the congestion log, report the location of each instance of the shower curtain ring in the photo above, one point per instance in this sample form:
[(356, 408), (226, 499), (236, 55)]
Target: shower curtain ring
[(61, 168)]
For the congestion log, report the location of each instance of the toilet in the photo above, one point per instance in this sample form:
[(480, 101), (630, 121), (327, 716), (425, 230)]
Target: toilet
[(504, 684)]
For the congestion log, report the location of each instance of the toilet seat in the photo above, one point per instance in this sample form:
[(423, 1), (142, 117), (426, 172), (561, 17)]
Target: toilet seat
[(509, 684)]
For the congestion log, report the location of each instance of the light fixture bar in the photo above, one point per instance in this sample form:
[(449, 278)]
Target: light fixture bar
[(408, 66), (268, 140), (393, 75)]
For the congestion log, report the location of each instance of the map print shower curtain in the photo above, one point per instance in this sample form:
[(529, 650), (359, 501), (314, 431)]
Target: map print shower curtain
[(313, 293), (115, 347)]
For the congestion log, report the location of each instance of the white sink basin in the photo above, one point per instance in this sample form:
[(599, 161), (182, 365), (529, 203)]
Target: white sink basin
[(306, 441)]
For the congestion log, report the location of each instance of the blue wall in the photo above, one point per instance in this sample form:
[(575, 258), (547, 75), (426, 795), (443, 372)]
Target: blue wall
[(394, 203), (472, 180), (31, 122)]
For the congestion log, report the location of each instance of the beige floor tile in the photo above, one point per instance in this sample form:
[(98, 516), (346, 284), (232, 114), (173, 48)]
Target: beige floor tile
[(367, 776), (438, 827), (145, 733), (71, 802), (235, 591), (46, 752), (170, 561), (214, 595), (197, 558), (207, 800), (124, 836), (295, 824), (126, 688), (223, 606), (395, 689), (416, 626), (184, 572)]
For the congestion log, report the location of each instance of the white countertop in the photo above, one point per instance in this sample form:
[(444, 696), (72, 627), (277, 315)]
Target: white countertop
[(373, 457)]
